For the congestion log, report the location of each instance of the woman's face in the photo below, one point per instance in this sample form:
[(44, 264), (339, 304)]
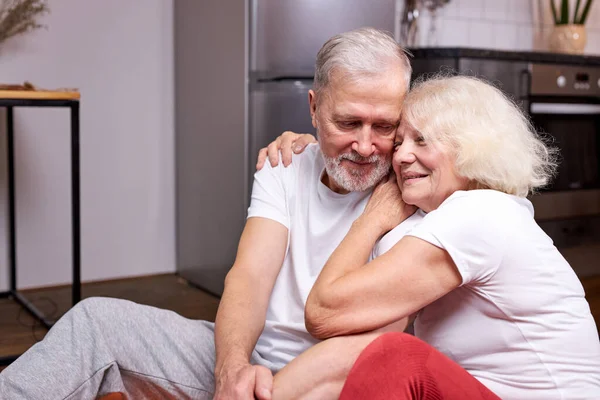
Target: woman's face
[(425, 171)]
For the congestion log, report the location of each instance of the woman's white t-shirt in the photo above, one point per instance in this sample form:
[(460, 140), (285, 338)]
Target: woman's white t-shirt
[(519, 322)]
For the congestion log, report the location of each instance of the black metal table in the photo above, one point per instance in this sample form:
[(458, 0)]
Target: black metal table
[(10, 100)]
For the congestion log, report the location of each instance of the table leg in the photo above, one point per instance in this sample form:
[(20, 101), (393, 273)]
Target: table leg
[(13, 293), (12, 244), (75, 203)]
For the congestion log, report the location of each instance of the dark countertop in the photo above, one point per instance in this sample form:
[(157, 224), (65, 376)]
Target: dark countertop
[(526, 56)]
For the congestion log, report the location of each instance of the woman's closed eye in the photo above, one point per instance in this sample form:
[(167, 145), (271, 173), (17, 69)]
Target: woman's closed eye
[(419, 140)]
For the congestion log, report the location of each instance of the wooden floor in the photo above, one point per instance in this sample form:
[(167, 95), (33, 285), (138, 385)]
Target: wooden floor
[(18, 331)]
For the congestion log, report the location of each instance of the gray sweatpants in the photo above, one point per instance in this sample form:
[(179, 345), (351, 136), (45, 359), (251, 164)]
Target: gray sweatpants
[(107, 345)]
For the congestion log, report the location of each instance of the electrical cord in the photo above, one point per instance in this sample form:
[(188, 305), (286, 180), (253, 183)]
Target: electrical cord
[(36, 323)]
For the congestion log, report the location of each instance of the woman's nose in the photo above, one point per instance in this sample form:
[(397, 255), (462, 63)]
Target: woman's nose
[(404, 153)]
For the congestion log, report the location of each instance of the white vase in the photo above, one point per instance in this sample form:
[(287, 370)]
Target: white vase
[(568, 38)]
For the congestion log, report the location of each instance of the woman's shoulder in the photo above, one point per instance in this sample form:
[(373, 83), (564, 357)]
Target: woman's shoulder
[(486, 201), (478, 211), (392, 237)]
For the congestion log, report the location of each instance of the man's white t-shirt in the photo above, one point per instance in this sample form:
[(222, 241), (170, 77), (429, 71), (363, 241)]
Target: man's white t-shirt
[(519, 322), (317, 220)]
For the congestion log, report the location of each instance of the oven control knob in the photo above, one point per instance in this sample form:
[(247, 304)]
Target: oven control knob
[(561, 81), (599, 82)]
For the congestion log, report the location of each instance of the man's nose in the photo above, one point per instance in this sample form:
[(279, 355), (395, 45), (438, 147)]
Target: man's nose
[(363, 144)]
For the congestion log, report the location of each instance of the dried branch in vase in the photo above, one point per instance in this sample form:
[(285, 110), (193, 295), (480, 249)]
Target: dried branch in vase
[(20, 16)]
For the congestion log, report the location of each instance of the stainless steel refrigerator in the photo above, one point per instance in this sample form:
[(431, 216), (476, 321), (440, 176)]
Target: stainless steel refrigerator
[(285, 36), (243, 69)]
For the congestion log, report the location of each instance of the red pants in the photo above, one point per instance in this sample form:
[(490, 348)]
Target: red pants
[(399, 366)]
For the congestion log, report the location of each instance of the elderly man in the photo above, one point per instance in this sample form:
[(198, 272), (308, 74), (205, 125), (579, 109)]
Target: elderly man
[(297, 217)]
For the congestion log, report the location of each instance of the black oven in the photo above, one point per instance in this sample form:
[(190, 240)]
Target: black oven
[(564, 103)]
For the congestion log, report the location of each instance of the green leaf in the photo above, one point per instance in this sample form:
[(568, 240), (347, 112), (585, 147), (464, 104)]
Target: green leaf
[(564, 12), (553, 7), (576, 11), (585, 12)]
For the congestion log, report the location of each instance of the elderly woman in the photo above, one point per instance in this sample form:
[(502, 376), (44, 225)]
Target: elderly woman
[(500, 311)]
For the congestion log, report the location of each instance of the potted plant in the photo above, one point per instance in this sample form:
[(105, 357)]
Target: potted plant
[(20, 16), (569, 34)]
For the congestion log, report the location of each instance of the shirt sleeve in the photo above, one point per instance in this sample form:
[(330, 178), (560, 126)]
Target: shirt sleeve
[(390, 239), (269, 194), (471, 228)]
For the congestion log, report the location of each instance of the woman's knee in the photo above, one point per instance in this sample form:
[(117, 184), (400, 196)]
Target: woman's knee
[(394, 359), (401, 340)]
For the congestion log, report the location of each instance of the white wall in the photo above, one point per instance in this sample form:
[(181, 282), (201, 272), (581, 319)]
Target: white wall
[(502, 25), (119, 53)]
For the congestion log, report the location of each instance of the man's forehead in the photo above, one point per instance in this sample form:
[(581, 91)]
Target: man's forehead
[(391, 80), (344, 108), (390, 117)]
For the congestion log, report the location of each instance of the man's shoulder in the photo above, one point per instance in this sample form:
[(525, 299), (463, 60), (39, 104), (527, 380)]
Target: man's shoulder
[(307, 163), (312, 153), (305, 166), (310, 156)]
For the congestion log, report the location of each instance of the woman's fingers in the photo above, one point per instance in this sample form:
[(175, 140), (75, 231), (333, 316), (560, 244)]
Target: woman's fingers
[(303, 141), (294, 142), (262, 157), (273, 152), (287, 141)]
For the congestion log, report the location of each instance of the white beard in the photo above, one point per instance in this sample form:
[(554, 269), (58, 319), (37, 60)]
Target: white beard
[(356, 180)]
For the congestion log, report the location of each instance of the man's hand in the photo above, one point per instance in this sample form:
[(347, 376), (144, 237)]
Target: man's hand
[(245, 382), (287, 143), (242, 310)]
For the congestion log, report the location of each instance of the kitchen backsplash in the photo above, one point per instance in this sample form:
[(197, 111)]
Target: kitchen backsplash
[(499, 24)]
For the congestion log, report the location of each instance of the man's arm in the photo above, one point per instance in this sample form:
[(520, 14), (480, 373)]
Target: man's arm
[(242, 311)]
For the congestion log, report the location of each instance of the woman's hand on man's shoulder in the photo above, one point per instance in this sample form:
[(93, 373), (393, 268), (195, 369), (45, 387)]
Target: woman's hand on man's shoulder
[(288, 142)]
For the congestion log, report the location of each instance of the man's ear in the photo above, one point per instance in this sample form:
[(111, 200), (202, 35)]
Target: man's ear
[(312, 103)]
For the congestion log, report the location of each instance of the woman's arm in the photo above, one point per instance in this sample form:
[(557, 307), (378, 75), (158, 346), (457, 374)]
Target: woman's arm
[(321, 371), (352, 295)]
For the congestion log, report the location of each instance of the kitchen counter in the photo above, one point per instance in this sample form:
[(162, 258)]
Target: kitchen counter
[(502, 55)]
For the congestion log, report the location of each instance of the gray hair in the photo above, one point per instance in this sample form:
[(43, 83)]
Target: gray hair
[(358, 53)]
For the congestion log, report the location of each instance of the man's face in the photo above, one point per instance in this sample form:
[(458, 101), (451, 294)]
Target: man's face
[(356, 123)]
